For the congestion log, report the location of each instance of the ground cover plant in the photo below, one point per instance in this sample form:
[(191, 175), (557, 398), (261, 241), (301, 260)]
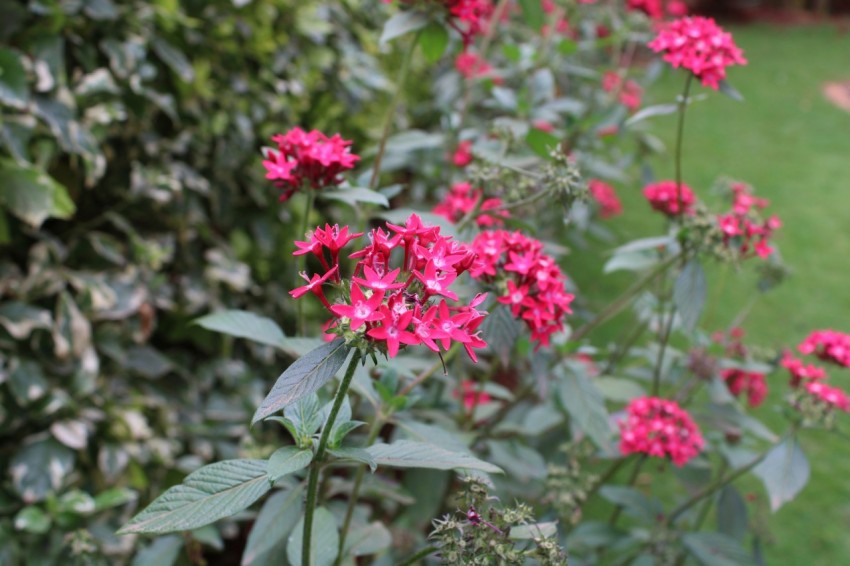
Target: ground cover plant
[(479, 416)]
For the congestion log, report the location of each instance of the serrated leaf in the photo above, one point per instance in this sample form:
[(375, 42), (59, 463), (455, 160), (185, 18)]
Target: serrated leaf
[(358, 455), (650, 111), (211, 493), (784, 472), (633, 502), (412, 454), (287, 460), (40, 468), (14, 90), (305, 376), (402, 23), (689, 293), (732, 513), (369, 539), (324, 541), (716, 549), (434, 40), (726, 88), (534, 531), (32, 195), (243, 324), (542, 143), (354, 195), (277, 518), (584, 402)]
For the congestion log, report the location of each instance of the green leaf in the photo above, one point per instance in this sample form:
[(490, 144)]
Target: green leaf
[(27, 383), (40, 468), (324, 542), (32, 519), (113, 498), (689, 293), (412, 454), (784, 472), (434, 40), (631, 261), (618, 389), (20, 319), (354, 195), (532, 13), (402, 23), (633, 502), (77, 502), (716, 549), (14, 90), (536, 530), (726, 88), (650, 111), (542, 143), (174, 58), (584, 402), (164, 551), (305, 376), (368, 539), (358, 455), (305, 415), (32, 195), (732, 513), (211, 493), (267, 539), (287, 460), (243, 324), (341, 430)]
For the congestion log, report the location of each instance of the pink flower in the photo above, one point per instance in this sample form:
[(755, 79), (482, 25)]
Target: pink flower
[(361, 309), (699, 45), (660, 428), (472, 66), (543, 126), (744, 229), (800, 372), (828, 345), (656, 9), (463, 154), (606, 197), (471, 396), (314, 285), (832, 397), (753, 383), (304, 158), (664, 197), (628, 91), (461, 200), (391, 329)]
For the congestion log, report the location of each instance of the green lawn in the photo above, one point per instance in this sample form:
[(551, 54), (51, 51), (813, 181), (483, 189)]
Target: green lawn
[(794, 147)]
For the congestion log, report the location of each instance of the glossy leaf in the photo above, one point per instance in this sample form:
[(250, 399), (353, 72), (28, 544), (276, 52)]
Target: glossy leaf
[(32, 195)]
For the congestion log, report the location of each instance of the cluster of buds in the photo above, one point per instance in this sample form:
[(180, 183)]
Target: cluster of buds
[(385, 307), (530, 282), (743, 228), (627, 91), (606, 197), (664, 197), (307, 158), (462, 199), (659, 427), (699, 45)]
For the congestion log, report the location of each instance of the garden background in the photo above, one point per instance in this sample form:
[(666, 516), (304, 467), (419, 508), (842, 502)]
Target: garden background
[(134, 202)]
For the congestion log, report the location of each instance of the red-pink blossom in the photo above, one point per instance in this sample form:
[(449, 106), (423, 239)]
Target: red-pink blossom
[(463, 154), (800, 371), (699, 45), (832, 397), (472, 65), (532, 284), (658, 427), (750, 382), (744, 229), (627, 91), (658, 9), (462, 199), (307, 158), (664, 197), (472, 397), (829, 345), (606, 197)]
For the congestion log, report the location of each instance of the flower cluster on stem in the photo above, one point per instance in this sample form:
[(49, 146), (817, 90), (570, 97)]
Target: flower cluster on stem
[(743, 228), (664, 197), (606, 197), (462, 200), (659, 427)]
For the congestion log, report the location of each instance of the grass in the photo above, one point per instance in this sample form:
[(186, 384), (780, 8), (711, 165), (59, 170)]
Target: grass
[(794, 147)]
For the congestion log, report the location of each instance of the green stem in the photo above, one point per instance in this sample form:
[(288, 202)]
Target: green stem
[(388, 120), (315, 466), (302, 260), (680, 135), (632, 479), (427, 551), (662, 348), (377, 425)]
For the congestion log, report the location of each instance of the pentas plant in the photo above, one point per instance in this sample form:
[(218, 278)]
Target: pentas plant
[(743, 228), (750, 383), (660, 428), (529, 281), (699, 45), (307, 159), (462, 199), (384, 308), (828, 345), (665, 197)]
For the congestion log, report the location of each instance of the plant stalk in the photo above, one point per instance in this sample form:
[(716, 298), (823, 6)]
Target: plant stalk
[(302, 260), (680, 136), (315, 466)]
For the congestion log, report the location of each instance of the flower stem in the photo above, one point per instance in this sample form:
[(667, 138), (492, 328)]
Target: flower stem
[(302, 260), (388, 120), (680, 135), (315, 466)]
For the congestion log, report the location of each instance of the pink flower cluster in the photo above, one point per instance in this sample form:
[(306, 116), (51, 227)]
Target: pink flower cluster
[(658, 9), (532, 284), (829, 396), (660, 428), (743, 227), (800, 371), (307, 157), (394, 307), (605, 195), (463, 154), (562, 26), (828, 345), (473, 66), (699, 45), (627, 91), (664, 197), (468, 17), (462, 199), (752, 382)]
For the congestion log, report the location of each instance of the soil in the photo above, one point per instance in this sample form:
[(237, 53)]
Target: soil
[(838, 93)]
